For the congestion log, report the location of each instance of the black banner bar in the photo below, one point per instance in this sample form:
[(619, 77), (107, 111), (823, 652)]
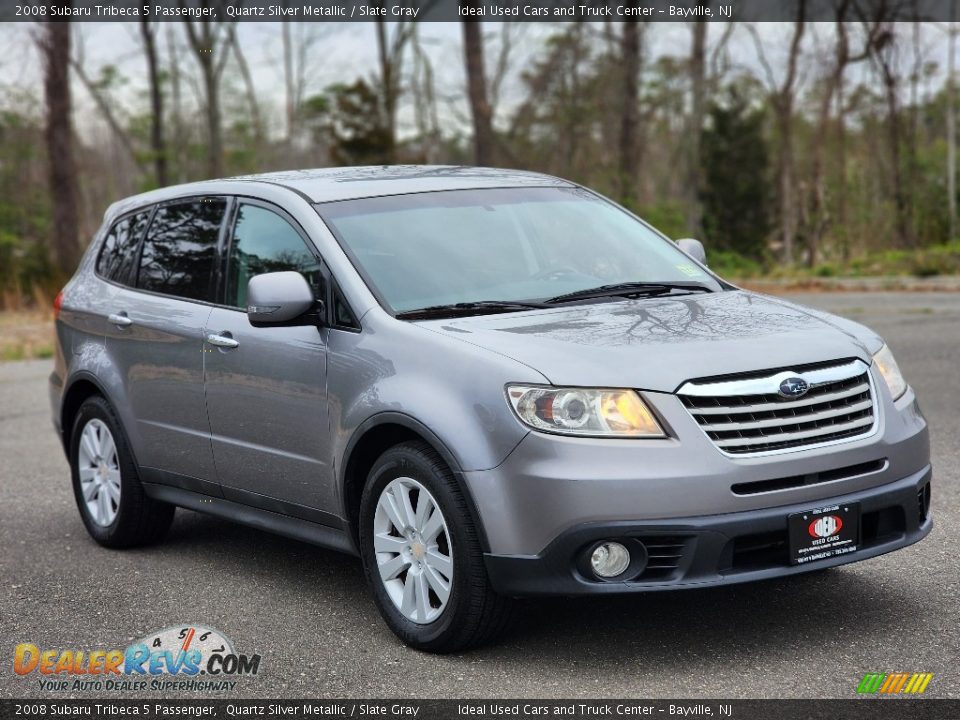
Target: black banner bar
[(853, 709), (458, 10)]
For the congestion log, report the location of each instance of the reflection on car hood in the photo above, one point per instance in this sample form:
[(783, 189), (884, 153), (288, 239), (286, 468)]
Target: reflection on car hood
[(658, 344)]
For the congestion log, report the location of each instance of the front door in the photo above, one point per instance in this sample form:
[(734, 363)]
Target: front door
[(266, 387)]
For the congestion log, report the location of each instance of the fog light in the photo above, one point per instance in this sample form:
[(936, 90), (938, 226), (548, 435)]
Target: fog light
[(610, 559)]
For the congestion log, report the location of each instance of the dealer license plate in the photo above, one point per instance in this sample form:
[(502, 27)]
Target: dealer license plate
[(824, 533)]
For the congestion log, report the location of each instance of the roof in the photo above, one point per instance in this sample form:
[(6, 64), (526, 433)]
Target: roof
[(348, 183)]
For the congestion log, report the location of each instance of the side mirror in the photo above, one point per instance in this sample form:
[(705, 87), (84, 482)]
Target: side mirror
[(693, 248), (277, 298)]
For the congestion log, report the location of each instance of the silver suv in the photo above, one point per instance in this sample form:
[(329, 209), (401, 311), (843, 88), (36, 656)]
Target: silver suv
[(485, 383)]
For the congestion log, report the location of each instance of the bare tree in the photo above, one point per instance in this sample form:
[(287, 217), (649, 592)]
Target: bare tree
[(483, 138), (886, 57), (98, 92), (298, 41), (158, 142), (391, 51), (176, 106), (784, 96), (816, 215), (54, 42), (423, 91), (630, 110), (698, 82), (288, 81), (256, 116), (209, 41), (952, 121)]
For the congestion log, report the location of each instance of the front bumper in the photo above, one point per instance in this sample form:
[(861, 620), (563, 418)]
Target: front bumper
[(714, 549), (551, 484)]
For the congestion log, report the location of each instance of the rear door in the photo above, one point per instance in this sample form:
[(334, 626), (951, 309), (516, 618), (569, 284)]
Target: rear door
[(157, 341), (266, 386)]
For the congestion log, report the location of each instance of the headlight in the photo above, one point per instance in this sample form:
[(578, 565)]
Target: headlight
[(582, 411), (890, 371)]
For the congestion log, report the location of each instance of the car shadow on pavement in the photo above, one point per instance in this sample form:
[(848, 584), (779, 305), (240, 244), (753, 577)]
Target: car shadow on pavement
[(674, 629)]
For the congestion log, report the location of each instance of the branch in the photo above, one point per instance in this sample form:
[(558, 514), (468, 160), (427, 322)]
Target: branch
[(104, 108), (762, 57)]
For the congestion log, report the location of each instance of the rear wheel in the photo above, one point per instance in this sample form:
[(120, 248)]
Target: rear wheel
[(113, 506), (422, 555)]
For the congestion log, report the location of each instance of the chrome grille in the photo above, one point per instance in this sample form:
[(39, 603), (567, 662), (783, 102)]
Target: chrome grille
[(749, 415)]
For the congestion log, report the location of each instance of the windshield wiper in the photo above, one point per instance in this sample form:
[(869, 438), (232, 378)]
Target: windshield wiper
[(630, 289), (477, 307)]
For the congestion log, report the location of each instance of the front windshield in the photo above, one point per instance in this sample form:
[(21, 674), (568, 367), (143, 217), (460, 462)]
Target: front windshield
[(517, 244)]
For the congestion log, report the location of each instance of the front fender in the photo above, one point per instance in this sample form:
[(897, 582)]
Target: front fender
[(454, 390)]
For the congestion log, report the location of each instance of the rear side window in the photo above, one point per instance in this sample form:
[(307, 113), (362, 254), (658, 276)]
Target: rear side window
[(119, 253), (180, 247)]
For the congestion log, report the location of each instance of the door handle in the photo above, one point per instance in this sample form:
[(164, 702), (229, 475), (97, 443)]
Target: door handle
[(222, 341), (119, 319)]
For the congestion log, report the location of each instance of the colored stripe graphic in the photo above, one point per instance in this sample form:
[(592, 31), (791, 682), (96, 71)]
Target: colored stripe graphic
[(871, 683), (894, 683), (922, 682)]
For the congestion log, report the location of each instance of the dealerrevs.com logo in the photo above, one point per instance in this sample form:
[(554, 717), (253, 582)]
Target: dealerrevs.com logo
[(180, 657)]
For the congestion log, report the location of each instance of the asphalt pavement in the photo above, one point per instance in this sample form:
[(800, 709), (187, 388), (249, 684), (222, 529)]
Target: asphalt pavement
[(307, 613)]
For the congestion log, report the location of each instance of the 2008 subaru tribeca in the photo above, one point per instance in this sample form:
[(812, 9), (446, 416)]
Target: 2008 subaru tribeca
[(485, 383)]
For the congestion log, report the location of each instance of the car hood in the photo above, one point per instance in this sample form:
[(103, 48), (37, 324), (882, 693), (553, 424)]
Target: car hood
[(660, 343)]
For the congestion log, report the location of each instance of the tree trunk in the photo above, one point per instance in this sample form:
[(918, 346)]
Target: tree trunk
[(291, 109), (885, 51), (841, 166), (698, 76), (256, 117), (952, 126), (817, 207), (483, 139), (630, 112), (179, 136), (204, 46), (157, 140), (786, 169), (214, 126), (895, 136), (55, 45), (388, 89)]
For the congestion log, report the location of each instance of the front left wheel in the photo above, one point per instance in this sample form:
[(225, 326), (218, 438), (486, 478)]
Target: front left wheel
[(422, 555), (106, 483)]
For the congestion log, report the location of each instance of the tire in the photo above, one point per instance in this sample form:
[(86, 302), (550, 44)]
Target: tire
[(130, 520), (472, 613)]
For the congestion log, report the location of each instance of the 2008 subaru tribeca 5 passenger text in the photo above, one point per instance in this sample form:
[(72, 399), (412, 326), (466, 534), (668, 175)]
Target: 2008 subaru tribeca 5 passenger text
[(485, 383)]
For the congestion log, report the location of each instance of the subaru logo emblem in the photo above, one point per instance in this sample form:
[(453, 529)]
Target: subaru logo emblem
[(794, 387)]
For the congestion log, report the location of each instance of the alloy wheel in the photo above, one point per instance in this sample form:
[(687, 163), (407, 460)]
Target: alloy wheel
[(99, 468), (413, 550)]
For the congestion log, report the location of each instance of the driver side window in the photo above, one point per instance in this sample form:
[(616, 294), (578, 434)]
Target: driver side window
[(265, 242)]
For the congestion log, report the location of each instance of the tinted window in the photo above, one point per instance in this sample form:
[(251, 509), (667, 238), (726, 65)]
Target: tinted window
[(119, 251), (264, 242), (180, 247), (457, 246)]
